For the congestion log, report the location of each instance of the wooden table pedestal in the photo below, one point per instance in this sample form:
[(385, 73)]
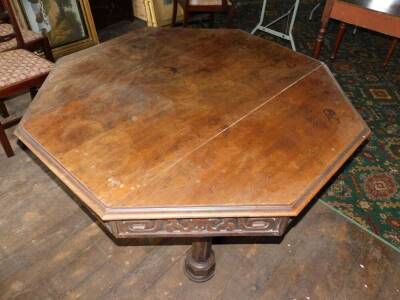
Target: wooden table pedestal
[(200, 261)]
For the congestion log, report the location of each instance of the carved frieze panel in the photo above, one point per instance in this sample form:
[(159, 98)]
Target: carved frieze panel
[(272, 226)]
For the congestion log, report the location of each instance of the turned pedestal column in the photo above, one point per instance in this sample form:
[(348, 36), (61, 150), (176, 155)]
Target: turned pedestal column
[(200, 260)]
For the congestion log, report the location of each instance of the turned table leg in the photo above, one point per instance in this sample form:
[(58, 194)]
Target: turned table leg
[(339, 39), (200, 261)]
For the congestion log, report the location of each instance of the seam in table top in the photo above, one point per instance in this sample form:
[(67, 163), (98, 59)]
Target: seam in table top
[(233, 124), (166, 169), (207, 141)]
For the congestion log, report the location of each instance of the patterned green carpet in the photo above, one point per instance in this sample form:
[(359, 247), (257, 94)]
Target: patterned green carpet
[(367, 189)]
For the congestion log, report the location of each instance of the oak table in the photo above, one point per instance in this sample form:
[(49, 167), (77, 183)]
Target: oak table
[(192, 133)]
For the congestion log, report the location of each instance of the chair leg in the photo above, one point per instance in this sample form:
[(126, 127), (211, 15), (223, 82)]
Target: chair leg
[(185, 17), (393, 45), (5, 142), (339, 38), (320, 38), (231, 15), (174, 12), (185, 7), (33, 91), (324, 25), (3, 110), (211, 20), (47, 50)]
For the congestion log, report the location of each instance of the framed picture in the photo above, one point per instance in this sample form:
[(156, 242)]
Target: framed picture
[(155, 12), (67, 23)]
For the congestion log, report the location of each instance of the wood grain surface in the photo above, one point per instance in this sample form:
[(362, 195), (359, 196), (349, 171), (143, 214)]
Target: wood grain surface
[(184, 123)]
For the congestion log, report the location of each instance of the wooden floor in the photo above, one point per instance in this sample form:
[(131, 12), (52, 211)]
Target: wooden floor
[(51, 248)]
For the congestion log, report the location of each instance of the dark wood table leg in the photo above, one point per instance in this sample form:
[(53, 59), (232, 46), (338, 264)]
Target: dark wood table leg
[(200, 261), (339, 38)]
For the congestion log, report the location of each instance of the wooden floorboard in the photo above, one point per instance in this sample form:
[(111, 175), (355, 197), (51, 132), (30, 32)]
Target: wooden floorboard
[(52, 248)]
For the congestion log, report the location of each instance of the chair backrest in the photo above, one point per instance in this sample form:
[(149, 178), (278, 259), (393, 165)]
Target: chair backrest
[(6, 5)]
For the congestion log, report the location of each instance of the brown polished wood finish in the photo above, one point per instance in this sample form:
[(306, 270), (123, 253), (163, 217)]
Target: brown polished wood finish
[(192, 132), (168, 125), (383, 17)]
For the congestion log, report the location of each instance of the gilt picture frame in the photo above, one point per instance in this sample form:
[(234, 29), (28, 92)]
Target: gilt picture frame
[(67, 23)]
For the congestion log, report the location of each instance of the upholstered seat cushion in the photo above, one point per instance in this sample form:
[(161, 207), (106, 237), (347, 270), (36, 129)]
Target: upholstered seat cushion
[(27, 35), (18, 66), (207, 2)]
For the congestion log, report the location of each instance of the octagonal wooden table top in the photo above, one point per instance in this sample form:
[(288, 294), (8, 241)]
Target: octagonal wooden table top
[(192, 123)]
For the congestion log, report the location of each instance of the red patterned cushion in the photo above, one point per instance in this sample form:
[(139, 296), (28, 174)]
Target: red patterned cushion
[(20, 65)]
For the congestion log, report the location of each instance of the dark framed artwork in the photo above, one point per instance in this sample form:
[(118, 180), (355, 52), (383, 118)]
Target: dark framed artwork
[(67, 23)]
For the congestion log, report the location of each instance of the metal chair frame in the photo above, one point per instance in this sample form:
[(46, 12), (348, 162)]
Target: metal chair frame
[(291, 15)]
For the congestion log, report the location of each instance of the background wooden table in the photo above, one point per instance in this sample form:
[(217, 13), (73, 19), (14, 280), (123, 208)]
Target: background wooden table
[(380, 16)]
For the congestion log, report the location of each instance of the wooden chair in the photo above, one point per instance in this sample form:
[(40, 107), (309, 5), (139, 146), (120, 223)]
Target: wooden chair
[(204, 6), (12, 37), (20, 70)]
